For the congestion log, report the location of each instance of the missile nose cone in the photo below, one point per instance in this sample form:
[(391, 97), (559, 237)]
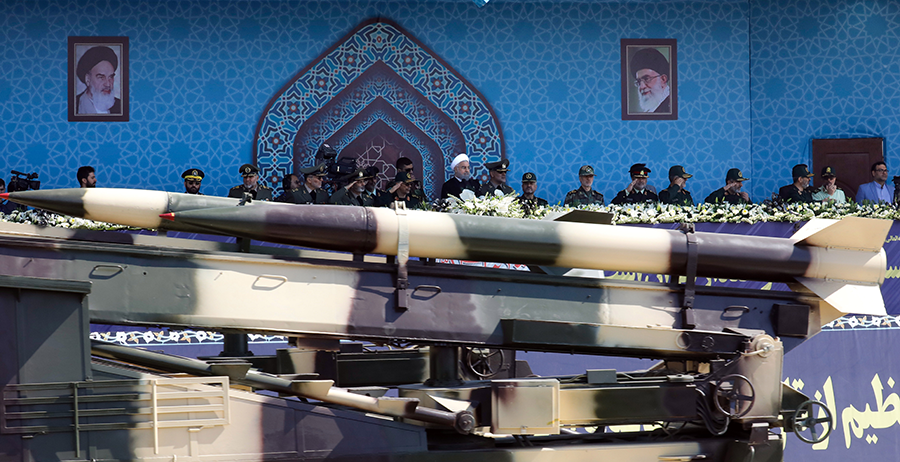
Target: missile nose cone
[(4, 196), (167, 216)]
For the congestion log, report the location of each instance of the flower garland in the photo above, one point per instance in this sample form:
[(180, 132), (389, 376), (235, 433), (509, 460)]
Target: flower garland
[(508, 206)]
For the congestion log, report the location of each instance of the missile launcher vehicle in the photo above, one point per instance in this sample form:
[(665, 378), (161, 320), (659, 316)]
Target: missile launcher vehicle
[(438, 379)]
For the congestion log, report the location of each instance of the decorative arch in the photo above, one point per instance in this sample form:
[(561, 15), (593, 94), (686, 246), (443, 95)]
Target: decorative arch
[(339, 96)]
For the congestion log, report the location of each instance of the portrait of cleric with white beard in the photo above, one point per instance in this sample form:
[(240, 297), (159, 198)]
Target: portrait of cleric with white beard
[(649, 83), (99, 71)]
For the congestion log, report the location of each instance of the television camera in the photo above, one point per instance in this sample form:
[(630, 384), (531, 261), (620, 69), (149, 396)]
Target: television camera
[(23, 182)]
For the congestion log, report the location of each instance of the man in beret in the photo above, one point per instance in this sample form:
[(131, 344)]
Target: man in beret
[(250, 175), (354, 192), (879, 190), (86, 177), (829, 192), (799, 190), (192, 178), (97, 71), (497, 170), (528, 200), (731, 193), (651, 77), (675, 194), (462, 178), (311, 192), (637, 191), (289, 183), (585, 194)]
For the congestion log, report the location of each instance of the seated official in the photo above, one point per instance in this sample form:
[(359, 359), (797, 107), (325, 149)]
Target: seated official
[(310, 192), (879, 190), (731, 193), (675, 194), (289, 183), (372, 194), (250, 185), (829, 192), (497, 170), (192, 179), (402, 192), (462, 178), (637, 191), (799, 190), (528, 200), (354, 192), (585, 194)]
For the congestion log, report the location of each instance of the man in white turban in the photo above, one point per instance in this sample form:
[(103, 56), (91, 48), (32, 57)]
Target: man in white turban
[(462, 178)]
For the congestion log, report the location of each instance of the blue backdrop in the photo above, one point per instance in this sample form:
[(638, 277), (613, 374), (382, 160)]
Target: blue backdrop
[(757, 80)]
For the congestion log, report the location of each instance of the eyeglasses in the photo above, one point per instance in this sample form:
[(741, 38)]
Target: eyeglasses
[(192, 182), (645, 80), (881, 170)]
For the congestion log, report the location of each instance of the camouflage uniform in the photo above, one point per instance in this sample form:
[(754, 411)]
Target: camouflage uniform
[(579, 197)]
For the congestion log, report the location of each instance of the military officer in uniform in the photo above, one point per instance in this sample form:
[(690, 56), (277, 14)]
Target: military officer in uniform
[(311, 192), (528, 200), (675, 194), (462, 178), (402, 191), (354, 192), (584, 195), (637, 191), (251, 185), (799, 190), (372, 194), (497, 170), (731, 193), (192, 178), (829, 192)]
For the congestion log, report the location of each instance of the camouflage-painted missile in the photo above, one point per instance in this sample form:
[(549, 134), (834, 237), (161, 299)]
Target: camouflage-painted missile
[(130, 207), (842, 261)]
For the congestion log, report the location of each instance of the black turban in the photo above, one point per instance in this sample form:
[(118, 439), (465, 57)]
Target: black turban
[(94, 56), (649, 58)]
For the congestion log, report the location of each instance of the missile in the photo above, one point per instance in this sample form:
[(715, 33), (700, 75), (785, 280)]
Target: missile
[(841, 261), (130, 207)]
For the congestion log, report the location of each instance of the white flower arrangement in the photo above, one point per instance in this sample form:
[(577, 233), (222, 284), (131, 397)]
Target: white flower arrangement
[(42, 218)]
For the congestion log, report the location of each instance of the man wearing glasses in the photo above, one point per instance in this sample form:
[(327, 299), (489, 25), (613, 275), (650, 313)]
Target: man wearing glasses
[(651, 77), (878, 190), (192, 178)]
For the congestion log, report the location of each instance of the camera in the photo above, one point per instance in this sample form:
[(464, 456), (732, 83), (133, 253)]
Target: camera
[(337, 168), (23, 182)]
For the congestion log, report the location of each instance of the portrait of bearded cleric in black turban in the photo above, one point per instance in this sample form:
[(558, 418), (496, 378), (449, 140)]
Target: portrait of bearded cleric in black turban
[(648, 79), (98, 83)]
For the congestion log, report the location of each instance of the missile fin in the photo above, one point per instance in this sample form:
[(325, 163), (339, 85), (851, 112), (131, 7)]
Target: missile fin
[(854, 233), (848, 297), (582, 216)]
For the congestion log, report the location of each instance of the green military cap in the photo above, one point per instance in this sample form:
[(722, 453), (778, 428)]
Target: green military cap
[(801, 170), (193, 174), (499, 166), (828, 172), (639, 171), (677, 171), (404, 177), (360, 174), (248, 169), (316, 170), (586, 170), (529, 177), (735, 175)]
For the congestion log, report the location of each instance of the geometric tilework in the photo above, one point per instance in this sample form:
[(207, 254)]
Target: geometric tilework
[(203, 72), (381, 44)]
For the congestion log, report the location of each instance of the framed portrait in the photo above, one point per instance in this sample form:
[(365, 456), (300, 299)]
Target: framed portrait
[(649, 79), (98, 79)]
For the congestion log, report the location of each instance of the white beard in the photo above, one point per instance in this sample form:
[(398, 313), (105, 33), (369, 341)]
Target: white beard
[(103, 101), (650, 102)]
